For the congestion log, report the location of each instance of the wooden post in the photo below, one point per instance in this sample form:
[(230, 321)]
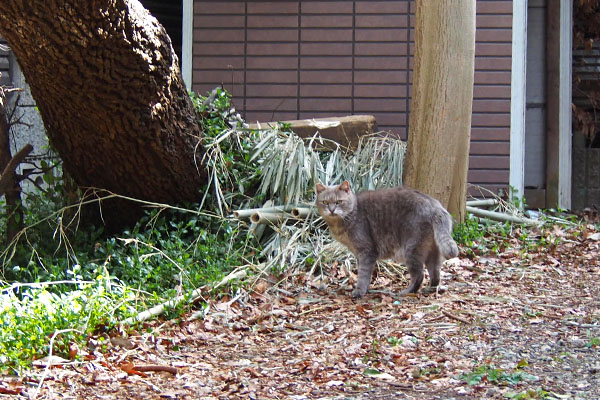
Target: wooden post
[(187, 40), (518, 98), (440, 120), (558, 94)]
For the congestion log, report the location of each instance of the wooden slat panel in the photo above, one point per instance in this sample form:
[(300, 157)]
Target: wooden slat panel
[(5, 79), (311, 59)]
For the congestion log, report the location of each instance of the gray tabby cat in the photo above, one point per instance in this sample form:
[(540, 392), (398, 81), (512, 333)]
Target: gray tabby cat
[(398, 223)]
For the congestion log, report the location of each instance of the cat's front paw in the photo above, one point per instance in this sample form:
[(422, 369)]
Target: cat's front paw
[(358, 292), (435, 289)]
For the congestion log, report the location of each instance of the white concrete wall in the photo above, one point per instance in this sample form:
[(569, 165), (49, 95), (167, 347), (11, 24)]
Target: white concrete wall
[(31, 129)]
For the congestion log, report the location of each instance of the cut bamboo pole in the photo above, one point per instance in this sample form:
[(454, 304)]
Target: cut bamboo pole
[(261, 217), (245, 214), (239, 273), (302, 212), (259, 229), (269, 215), (482, 203), (496, 216)]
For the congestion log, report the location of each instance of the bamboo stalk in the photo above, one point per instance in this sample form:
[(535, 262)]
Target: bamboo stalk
[(302, 212), (496, 216), (482, 203), (259, 229), (239, 273), (247, 213), (261, 217)]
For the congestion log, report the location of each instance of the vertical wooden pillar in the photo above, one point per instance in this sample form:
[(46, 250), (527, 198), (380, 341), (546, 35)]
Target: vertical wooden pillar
[(518, 98), (558, 92), (187, 40), (440, 118)]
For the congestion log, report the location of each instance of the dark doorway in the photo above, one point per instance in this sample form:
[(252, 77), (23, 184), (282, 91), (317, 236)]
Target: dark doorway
[(170, 14)]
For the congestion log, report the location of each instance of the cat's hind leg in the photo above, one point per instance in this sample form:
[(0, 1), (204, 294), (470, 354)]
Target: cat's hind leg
[(433, 263), (414, 263)]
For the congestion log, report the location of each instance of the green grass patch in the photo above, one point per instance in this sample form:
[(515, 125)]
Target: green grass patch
[(498, 376), (31, 315)]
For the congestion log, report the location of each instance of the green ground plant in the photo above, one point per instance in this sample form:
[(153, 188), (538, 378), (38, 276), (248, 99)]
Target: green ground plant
[(481, 237), (64, 276), (32, 317), (498, 376), (538, 393)]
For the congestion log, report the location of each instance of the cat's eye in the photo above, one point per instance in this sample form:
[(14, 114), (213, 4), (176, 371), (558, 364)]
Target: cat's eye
[(325, 202), (338, 202)]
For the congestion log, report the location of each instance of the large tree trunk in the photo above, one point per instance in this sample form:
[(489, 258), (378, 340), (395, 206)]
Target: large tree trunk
[(109, 89), (442, 99)]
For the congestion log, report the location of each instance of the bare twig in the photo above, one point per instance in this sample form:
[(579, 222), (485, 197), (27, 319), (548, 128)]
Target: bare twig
[(49, 363), (456, 317), (239, 273), (156, 368)]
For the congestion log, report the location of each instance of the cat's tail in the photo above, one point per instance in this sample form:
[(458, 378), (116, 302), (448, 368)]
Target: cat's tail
[(442, 229)]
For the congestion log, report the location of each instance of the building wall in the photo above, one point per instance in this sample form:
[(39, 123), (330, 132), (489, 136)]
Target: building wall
[(31, 129), (285, 60), (490, 127), (4, 63)]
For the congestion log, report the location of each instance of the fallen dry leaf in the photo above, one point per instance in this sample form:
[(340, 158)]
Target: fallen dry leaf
[(499, 309)]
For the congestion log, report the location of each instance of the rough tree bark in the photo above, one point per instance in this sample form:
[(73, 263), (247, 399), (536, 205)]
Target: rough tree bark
[(442, 99), (108, 86)]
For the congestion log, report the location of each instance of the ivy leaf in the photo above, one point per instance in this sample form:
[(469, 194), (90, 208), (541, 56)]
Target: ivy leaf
[(371, 372)]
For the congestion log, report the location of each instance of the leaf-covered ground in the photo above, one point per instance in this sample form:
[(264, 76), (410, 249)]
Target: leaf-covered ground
[(524, 323)]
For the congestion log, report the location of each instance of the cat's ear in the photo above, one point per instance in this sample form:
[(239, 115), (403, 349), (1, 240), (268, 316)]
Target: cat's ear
[(345, 186), (320, 188)]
